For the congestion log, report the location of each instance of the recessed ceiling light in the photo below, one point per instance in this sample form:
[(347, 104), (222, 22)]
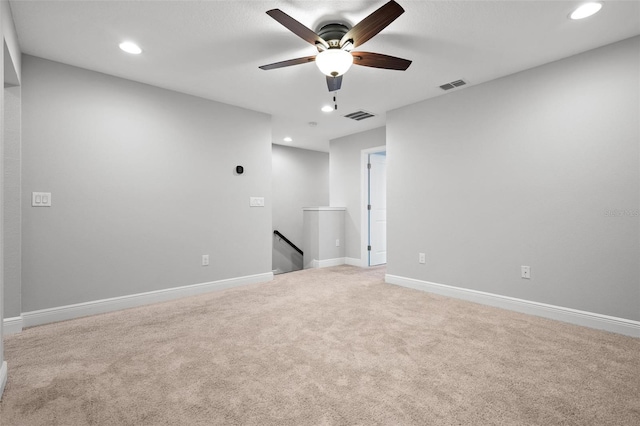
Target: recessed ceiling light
[(287, 139), (586, 10), (130, 47), (327, 108)]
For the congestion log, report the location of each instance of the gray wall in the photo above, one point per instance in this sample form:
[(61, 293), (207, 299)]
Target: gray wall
[(13, 64), (11, 203), (323, 228), (3, 377), (300, 179), (9, 74), (345, 175), (525, 170), (143, 184)]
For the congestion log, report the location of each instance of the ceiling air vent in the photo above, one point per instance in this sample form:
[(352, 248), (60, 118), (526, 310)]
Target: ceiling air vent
[(453, 85), (359, 115)]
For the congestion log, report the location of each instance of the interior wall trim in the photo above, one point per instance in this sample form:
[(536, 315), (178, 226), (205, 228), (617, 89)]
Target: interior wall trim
[(12, 325), (326, 263), (3, 377), (63, 313), (573, 316), (354, 262)]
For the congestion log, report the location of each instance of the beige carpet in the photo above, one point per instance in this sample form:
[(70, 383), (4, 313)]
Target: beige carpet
[(335, 346)]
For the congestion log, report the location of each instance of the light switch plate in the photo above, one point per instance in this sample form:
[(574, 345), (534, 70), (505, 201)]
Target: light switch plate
[(41, 199), (256, 201)]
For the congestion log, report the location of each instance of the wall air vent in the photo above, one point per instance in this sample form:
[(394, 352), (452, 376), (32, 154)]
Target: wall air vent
[(359, 115), (453, 85)]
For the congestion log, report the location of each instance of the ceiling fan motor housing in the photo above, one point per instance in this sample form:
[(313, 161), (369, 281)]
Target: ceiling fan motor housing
[(332, 34)]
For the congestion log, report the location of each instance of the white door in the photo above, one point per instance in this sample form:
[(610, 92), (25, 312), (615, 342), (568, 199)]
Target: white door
[(378, 209)]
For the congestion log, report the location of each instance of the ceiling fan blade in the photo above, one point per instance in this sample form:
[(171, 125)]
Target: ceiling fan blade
[(373, 24), (288, 63), (297, 28), (378, 60), (334, 83)]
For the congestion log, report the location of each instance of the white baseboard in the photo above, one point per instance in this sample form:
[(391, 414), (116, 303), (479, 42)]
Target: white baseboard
[(62, 313), (569, 315), (3, 377), (12, 325), (325, 263), (354, 262)]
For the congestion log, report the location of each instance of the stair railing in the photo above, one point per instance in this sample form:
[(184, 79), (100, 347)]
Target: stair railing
[(286, 240)]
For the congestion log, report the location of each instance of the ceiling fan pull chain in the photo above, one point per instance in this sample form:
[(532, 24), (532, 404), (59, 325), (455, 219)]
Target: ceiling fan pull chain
[(335, 103)]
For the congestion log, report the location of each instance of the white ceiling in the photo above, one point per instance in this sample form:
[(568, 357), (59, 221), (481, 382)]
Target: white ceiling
[(213, 49)]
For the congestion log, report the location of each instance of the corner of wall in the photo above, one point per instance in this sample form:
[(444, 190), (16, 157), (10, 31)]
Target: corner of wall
[(3, 377), (11, 41)]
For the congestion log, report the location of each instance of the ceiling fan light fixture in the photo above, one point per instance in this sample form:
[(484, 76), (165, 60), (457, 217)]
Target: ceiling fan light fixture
[(334, 62), (586, 10)]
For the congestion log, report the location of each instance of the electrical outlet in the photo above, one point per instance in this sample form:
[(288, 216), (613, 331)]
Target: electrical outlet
[(422, 258), (337, 243), (525, 272), (205, 260)]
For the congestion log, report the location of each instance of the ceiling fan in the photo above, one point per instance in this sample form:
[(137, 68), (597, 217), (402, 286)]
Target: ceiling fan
[(335, 42)]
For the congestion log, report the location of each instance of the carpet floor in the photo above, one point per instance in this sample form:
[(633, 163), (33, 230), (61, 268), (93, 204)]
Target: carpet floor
[(333, 346)]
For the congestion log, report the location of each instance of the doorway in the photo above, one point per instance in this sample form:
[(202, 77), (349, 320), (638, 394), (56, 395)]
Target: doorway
[(376, 210)]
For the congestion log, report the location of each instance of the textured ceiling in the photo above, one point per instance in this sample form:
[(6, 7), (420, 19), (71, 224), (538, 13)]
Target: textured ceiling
[(213, 49)]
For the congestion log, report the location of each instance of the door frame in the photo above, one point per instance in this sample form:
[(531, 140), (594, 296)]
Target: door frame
[(364, 195)]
